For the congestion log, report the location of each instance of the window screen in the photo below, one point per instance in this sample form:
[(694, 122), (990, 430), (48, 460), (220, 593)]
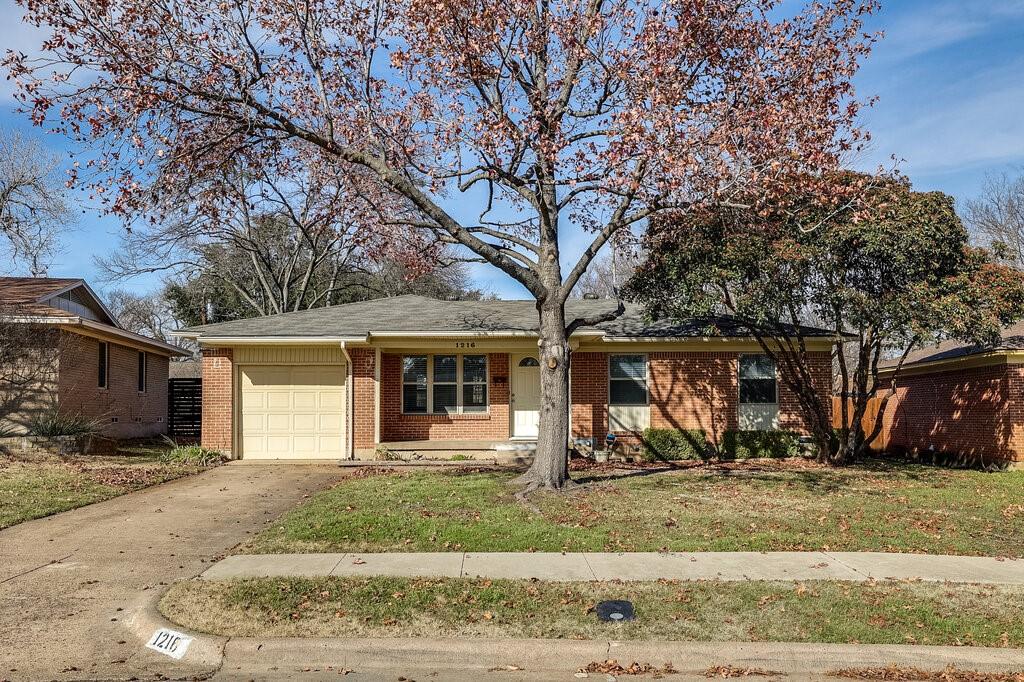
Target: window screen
[(414, 383), (446, 383), (446, 386), (474, 383), (627, 380), (757, 380)]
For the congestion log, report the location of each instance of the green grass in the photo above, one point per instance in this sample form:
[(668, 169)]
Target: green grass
[(820, 611), (39, 486), (753, 506)]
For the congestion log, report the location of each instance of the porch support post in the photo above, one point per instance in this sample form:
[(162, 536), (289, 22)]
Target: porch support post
[(376, 396)]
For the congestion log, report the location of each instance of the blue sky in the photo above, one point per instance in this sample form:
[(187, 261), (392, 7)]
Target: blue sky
[(951, 108)]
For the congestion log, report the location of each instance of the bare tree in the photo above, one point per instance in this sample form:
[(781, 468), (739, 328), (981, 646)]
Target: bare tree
[(997, 217), (606, 275), (33, 202), (279, 244), (146, 314)]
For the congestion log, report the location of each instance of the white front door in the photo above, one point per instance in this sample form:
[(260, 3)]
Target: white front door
[(525, 396)]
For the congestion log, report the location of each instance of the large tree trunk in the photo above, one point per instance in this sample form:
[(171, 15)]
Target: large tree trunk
[(550, 468)]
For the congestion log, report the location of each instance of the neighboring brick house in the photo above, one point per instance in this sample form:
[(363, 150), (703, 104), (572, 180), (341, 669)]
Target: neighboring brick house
[(413, 373), (82, 362), (960, 401)]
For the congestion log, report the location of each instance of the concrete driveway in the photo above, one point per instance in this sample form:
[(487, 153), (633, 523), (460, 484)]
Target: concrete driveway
[(67, 580)]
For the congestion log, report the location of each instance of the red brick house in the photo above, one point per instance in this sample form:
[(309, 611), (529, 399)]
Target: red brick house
[(413, 373), (959, 401), (82, 362)]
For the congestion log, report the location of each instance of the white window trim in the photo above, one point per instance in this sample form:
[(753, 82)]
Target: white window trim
[(647, 380), (459, 384), (739, 378)]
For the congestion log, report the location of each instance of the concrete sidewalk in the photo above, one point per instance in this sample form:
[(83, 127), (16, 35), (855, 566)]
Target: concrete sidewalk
[(725, 566)]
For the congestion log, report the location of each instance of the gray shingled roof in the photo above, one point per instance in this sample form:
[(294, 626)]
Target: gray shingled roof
[(413, 313), (1012, 339)]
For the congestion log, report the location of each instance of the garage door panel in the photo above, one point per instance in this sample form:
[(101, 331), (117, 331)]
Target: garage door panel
[(292, 411), (277, 400), (253, 423), (331, 400), (329, 422), (279, 422), (304, 423)]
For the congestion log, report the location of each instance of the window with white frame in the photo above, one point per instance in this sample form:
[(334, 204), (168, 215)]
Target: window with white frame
[(627, 379), (757, 380), (444, 384)]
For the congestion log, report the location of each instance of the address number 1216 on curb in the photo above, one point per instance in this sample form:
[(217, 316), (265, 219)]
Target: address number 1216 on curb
[(169, 643)]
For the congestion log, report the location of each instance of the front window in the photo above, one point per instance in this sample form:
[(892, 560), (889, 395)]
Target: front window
[(627, 379), (444, 384), (757, 380), (414, 383)]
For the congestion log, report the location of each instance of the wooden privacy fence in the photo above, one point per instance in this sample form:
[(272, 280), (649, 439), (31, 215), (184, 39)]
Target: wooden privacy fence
[(185, 408), (868, 422)]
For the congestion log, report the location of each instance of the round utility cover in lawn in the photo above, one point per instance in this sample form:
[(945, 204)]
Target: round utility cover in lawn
[(615, 610)]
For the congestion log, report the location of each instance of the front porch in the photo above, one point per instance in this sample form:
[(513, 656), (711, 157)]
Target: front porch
[(485, 450)]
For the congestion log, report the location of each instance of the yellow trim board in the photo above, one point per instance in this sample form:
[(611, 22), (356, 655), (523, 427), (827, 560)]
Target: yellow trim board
[(989, 359)]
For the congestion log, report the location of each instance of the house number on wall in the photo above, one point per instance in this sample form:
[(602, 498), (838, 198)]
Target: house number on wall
[(465, 344)]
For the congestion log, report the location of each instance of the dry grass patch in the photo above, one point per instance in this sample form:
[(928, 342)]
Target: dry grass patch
[(39, 485), (904, 674), (822, 611), (736, 506)]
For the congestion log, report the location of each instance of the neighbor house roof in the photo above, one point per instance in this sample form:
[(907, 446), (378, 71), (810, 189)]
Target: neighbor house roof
[(28, 295), (419, 315), (68, 302), (1012, 339)]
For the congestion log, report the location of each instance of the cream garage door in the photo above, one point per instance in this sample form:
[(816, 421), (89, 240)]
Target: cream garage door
[(293, 412)]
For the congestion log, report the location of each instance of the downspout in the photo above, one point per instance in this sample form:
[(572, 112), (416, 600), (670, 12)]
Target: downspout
[(350, 450)]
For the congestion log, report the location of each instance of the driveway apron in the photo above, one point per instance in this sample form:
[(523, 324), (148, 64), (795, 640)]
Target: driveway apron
[(67, 580)]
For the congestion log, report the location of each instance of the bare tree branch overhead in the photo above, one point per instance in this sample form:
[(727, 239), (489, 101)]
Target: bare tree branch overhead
[(34, 210), (997, 217), (490, 126)]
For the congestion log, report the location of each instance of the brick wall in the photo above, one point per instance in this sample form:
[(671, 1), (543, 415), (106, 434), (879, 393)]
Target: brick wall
[(363, 397), (120, 409), (589, 372), (218, 399), (395, 426), (791, 417), (687, 391), (974, 414), (694, 391)]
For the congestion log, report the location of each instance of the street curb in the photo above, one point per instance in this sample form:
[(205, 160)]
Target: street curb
[(256, 655), (253, 655), (144, 618)]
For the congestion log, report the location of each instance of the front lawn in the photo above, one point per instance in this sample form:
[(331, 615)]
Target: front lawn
[(742, 506), (36, 486), (819, 611)]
